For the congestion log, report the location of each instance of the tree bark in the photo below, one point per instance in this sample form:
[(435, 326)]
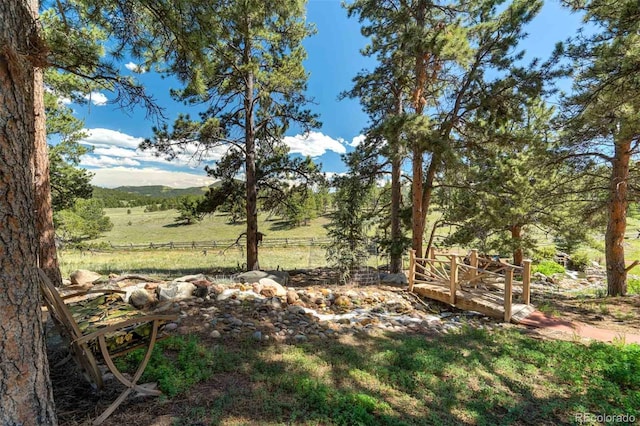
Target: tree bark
[(418, 100), (250, 147), (427, 192), (516, 237), (47, 253), (26, 396), (395, 263), (617, 220)]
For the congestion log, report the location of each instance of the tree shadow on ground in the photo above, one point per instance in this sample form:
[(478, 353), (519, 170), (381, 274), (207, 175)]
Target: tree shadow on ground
[(470, 378)]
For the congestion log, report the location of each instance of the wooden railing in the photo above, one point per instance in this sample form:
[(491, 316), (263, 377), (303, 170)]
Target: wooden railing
[(450, 270)]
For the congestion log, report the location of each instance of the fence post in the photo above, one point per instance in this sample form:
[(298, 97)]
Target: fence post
[(526, 281), (453, 279), (431, 255), (473, 261), (508, 294), (412, 268)]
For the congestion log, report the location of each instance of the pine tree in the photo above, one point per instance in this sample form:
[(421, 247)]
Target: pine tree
[(247, 68), (603, 113), (454, 47)]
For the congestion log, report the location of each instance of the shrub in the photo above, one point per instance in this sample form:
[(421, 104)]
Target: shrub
[(544, 253), (579, 261), (633, 285), (548, 268)]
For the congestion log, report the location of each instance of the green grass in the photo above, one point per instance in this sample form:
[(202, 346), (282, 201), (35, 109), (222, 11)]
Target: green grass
[(164, 262), (473, 377), (548, 268), (158, 227)]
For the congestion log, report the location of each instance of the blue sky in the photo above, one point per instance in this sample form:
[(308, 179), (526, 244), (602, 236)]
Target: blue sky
[(333, 60)]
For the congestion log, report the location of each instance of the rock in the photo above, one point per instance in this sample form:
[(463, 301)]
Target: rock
[(257, 335), (216, 289), (292, 297), (272, 288), (202, 288), (295, 309), (66, 281), (82, 276), (215, 334), (171, 326), (175, 290), (257, 287), (342, 301), (281, 277), (190, 278), (300, 338), (274, 303), (394, 279), (140, 298), (227, 294)]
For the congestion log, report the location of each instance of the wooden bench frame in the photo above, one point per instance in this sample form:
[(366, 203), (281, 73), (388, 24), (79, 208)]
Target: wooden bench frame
[(79, 343)]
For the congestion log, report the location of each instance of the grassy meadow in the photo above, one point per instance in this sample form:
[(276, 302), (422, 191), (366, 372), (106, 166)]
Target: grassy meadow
[(135, 226), (139, 227)]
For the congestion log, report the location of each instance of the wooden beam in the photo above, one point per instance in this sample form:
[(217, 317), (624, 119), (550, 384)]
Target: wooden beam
[(508, 294), (453, 279), (412, 268), (526, 281), (473, 260)]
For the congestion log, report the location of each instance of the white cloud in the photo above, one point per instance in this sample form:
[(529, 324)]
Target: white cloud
[(121, 176), (133, 67), (358, 140), (105, 161), (97, 98), (100, 136), (314, 144)]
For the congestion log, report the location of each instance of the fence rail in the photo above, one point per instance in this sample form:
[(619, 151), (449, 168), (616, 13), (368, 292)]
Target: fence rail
[(224, 243)]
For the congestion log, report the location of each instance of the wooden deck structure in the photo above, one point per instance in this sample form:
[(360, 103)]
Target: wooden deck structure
[(470, 284)]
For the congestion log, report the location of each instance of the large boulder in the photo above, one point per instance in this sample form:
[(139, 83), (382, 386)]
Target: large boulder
[(83, 277), (175, 290), (271, 288), (281, 277), (140, 298), (394, 279)]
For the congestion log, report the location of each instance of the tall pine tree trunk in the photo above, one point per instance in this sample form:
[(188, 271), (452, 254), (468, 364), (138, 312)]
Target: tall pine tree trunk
[(25, 390), (617, 220), (516, 238), (250, 147), (427, 190), (47, 254), (396, 199), (418, 100), (395, 264)]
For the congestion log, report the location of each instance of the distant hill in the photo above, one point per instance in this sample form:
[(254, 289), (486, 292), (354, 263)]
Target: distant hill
[(131, 196), (160, 191)]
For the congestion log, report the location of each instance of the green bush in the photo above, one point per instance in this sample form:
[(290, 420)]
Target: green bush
[(548, 268), (633, 285), (544, 253), (579, 261), (177, 363)]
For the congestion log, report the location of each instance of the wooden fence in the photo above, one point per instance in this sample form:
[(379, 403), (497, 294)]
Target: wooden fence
[(225, 243)]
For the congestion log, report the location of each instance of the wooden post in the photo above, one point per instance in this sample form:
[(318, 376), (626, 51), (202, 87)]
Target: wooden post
[(473, 260), (526, 281), (412, 268), (431, 255), (453, 279), (508, 293)]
